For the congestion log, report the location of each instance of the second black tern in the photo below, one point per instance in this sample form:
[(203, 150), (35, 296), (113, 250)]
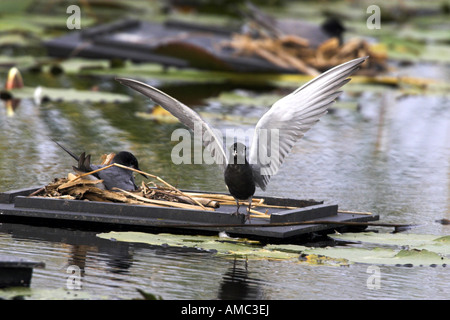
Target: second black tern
[(113, 177), (291, 117)]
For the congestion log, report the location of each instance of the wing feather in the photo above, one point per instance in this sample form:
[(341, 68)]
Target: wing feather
[(186, 115), (292, 116)]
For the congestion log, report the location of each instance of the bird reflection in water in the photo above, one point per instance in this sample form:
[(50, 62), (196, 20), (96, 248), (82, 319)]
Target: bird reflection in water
[(238, 285)]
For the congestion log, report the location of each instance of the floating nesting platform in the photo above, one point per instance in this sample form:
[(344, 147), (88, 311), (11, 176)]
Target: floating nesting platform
[(284, 218)]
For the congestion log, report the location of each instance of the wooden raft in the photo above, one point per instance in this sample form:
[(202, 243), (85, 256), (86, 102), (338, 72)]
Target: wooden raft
[(17, 206)]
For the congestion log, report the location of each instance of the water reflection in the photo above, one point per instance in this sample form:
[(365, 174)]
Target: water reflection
[(237, 283), (69, 248), (119, 258), (106, 265)]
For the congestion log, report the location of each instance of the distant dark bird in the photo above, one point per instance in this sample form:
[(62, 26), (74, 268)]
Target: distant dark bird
[(113, 177), (315, 34), (289, 118)]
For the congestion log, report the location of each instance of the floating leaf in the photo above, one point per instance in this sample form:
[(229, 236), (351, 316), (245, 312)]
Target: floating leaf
[(78, 65), (61, 94), (15, 40), (425, 34), (23, 61), (394, 239), (415, 241), (336, 256), (286, 247), (37, 23), (23, 293), (310, 258), (382, 256), (222, 246), (148, 296), (428, 250)]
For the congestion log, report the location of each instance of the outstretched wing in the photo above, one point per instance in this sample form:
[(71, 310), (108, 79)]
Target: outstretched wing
[(290, 117), (186, 115)]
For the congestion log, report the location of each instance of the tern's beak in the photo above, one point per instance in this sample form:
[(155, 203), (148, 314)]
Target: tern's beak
[(145, 176)]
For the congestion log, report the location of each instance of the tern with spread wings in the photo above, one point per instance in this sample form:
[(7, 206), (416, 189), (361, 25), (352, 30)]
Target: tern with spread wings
[(290, 117)]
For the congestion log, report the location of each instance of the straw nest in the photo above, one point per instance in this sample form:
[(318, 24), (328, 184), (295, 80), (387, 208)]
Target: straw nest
[(157, 192), (294, 52)]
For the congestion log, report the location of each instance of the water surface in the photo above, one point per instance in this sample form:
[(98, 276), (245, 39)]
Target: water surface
[(389, 157)]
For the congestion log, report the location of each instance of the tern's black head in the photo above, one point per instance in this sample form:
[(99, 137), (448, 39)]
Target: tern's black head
[(126, 158), (238, 153)]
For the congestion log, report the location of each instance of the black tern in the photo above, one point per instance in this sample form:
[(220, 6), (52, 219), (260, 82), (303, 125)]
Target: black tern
[(315, 34), (290, 118), (113, 177)]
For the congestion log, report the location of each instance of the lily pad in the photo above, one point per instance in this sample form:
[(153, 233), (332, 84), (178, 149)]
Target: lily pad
[(394, 239), (78, 65), (382, 256), (24, 62), (15, 39), (440, 245), (22, 293), (331, 256), (62, 94), (340, 255), (37, 24), (218, 245)]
